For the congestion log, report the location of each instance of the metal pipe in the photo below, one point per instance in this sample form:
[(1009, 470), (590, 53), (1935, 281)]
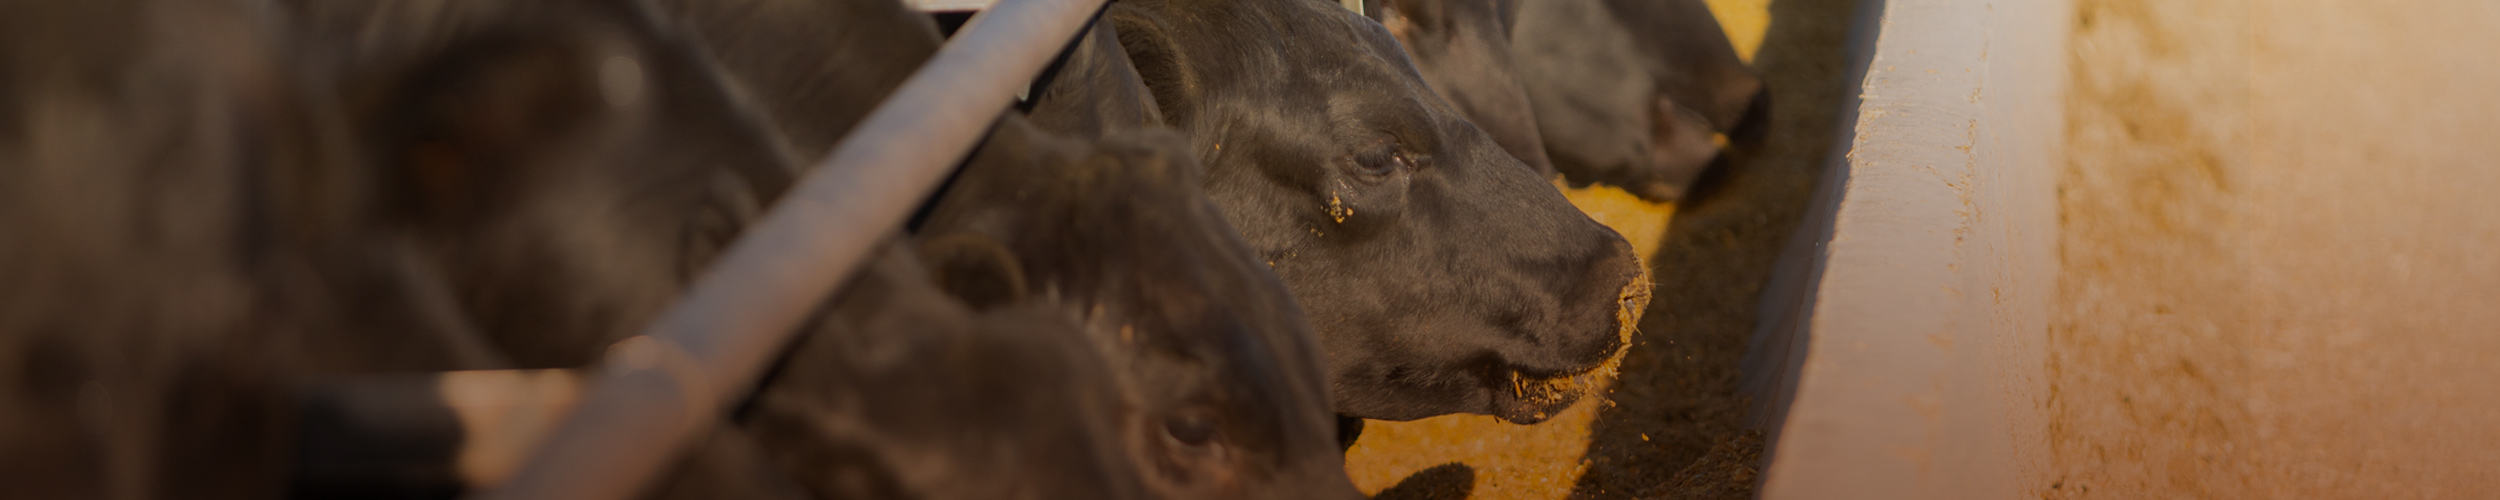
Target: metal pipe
[(657, 389), (370, 435)]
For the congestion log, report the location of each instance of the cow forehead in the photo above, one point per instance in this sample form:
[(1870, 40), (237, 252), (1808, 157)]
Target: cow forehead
[(1347, 69)]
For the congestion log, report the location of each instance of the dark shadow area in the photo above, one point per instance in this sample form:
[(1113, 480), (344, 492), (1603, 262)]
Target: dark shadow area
[(1674, 426), (1450, 481)]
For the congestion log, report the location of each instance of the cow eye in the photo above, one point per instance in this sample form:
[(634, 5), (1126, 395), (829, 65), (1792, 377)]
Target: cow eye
[(1190, 428), (1383, 160)]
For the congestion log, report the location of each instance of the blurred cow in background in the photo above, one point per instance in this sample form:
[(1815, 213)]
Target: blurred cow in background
[(207, 212), (1627, 93), (1633, 93)]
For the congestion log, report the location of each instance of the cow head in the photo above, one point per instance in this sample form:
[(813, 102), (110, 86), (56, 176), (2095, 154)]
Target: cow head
[(1225, 398), (1462, 48), (1633, 93), (1441, 274), (567, 166), (901, 392), (1222, 365), (1093, 89)]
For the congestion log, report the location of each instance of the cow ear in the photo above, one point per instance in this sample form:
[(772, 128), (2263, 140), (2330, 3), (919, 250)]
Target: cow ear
[(1410, 20), (973, 268), (1157, 153), (487, 110), (1156, 56), (1508, 12)]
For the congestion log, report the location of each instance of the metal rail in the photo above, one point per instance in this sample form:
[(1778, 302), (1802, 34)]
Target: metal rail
[(658, 388)]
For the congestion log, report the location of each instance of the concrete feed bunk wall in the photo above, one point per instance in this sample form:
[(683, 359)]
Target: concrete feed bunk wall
[(2259, 265), (1924, 306)]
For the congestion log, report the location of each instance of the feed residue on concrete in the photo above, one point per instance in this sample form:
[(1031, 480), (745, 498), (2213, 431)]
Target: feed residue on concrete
[(2276, 235)]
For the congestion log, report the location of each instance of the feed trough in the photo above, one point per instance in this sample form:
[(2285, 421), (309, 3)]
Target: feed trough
[(1901, 346)]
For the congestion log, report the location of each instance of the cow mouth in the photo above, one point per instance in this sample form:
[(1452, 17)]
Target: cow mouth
[(1535, 398)]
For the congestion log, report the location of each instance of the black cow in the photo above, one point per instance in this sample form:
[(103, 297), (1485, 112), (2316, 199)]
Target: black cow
[(196, 220), (552, 173), (568, 166), (886, 448), (141, 280), (1222, 366), (902, 392), (1630, 92), (1225, 367), (1462, 48), (183, 202), (1442, 275)]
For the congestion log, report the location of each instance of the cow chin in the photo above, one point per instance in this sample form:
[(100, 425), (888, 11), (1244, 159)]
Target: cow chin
[(1527, 399)]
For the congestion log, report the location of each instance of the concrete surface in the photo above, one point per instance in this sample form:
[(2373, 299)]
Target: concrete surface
[(1922, 373)]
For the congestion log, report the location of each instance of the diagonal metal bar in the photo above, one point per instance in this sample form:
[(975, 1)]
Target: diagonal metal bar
[(657, 389)]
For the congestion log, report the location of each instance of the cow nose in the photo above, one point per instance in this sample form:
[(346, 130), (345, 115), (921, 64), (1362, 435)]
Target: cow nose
[(1612, 297), (1596, 315)]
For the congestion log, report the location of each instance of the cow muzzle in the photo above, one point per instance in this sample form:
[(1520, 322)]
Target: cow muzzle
[(1531, 398)]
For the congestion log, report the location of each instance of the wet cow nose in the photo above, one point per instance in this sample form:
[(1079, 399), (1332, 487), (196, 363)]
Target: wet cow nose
[(1597, 310)]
